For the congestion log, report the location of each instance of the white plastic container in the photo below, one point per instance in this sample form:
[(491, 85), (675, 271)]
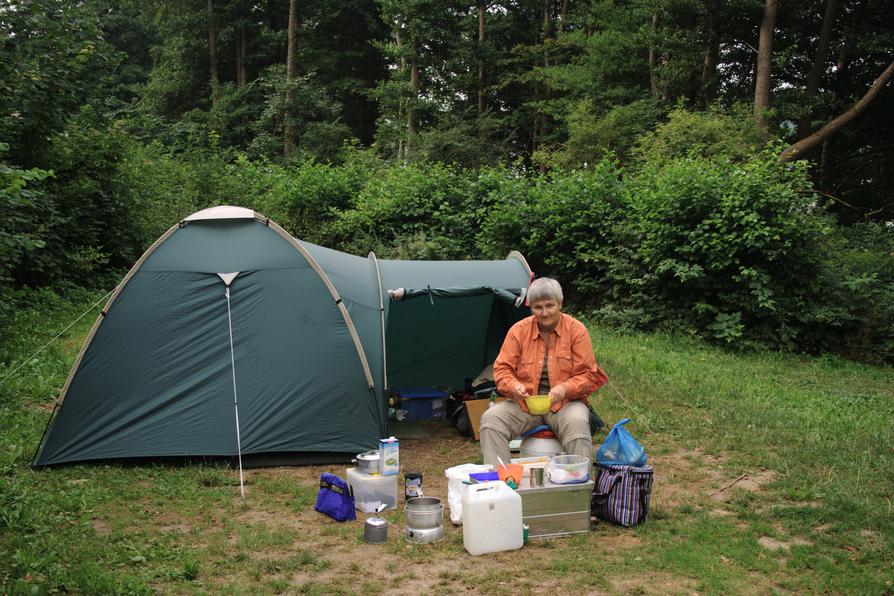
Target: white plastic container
[(540, 446), (492, 518), (371, 491), (456, 477), (568, 469)]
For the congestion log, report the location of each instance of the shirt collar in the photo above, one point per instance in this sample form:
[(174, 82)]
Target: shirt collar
[(535, 330)]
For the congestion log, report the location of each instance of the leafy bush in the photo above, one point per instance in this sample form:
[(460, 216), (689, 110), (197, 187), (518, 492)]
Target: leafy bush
[(856, 316), (567, 225), (20, 233), (728, 249), (714, 135), (591, 137), (423, 210)]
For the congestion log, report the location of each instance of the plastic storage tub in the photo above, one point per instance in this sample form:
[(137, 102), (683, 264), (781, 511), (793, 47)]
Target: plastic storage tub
[(370, 491), (422, 403), (568, 469), (492, 518)]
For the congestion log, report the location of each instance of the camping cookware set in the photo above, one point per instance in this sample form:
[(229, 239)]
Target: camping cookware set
[(368, 462), (425, 520)]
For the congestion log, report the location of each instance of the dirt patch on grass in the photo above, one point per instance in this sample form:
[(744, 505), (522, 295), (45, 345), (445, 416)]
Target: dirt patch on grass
[(653, 582), (100, 526), (684, 477), (776, 544), (752, 482)]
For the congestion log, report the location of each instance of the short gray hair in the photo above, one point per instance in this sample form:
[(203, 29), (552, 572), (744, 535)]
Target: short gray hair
[(545, 288)]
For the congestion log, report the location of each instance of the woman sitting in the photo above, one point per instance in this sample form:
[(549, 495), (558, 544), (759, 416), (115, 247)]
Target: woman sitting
[(548, 353)]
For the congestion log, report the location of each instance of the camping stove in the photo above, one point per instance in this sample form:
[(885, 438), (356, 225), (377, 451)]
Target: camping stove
[(426, 535)]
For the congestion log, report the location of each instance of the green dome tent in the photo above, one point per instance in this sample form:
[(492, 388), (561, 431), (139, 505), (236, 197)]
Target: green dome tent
[(229, 337)]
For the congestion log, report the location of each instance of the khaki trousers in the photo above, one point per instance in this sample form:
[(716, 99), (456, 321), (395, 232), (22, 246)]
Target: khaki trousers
[(506, 420)]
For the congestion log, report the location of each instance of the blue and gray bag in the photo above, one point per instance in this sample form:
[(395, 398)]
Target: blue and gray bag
[(621, 494), (336, 498)]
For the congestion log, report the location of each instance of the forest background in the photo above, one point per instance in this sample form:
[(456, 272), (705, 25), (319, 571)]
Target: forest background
[(718, 168)]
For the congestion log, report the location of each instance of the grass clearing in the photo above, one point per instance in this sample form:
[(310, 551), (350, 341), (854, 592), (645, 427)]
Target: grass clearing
[(774, 473)]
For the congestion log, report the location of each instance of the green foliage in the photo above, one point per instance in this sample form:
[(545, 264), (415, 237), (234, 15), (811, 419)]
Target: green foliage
[(592, 136), (714, 135), (423, 210), (20, 234), (86, 225), (53, 59), (856, 317), (729, 249), (567, 225)]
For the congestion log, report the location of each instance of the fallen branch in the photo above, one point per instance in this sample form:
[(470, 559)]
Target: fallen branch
[(798, 149), (731, 484)]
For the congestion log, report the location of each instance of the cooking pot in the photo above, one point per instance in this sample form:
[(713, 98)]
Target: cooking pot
[(368, 462), (425, 517), (424, 513)]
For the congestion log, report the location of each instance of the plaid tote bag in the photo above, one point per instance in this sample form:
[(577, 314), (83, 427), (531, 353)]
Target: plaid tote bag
[(621, 493)]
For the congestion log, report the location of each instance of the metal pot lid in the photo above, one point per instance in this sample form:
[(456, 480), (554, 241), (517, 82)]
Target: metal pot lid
[(376, 521), (369, 455)]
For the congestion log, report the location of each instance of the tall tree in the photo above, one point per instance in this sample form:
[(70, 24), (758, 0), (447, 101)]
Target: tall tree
[(241, 53), (712, 51), (764, 64), (289, 128), (653, 76), (212, 55), (819, 64), (482, 12), (414, 97)]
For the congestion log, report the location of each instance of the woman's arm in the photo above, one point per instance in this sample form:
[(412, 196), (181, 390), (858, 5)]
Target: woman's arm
[(506, 367)]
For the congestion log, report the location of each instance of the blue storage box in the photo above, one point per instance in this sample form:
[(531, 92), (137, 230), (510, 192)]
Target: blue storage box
[(422, 403)]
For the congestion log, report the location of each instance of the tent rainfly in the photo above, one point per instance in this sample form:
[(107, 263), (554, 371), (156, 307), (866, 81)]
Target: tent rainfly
[(229, 337)]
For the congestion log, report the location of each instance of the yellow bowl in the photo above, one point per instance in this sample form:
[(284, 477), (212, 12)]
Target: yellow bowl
[(538, 404)]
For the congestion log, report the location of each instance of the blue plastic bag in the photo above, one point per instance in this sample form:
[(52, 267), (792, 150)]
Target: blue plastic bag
[(620, 448)]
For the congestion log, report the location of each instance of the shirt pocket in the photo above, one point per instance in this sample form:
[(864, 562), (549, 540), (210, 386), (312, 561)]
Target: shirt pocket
[(527, 366), (564, 363)]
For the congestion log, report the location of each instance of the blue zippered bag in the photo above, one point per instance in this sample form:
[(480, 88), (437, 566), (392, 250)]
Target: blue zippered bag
[(336, 498)]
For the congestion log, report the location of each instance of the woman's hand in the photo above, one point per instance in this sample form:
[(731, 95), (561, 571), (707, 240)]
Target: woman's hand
[(557, 394), (519, 392)]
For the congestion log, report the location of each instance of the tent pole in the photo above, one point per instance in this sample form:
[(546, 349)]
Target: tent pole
[(235, 397), (375, 261)]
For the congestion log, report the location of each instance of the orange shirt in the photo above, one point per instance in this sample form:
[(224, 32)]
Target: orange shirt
[(571, 360)]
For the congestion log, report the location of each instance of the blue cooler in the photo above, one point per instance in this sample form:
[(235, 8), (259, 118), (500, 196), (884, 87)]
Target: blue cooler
[(422, 403)]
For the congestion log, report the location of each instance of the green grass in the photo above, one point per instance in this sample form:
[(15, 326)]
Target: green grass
[(823, 427)]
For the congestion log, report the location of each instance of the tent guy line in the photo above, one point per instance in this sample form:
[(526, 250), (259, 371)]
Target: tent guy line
[(58, 335)]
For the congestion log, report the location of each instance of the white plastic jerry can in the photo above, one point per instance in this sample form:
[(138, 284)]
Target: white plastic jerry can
[(492, 518)]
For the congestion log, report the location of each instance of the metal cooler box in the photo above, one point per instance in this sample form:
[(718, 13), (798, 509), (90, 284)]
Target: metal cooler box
[(556, 509)]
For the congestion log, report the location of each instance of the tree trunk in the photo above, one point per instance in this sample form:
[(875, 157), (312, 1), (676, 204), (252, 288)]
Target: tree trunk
[(289, 130), (653, 77), (562, 15), (805, 145), (241, 53), (819, 64), (212, 54), (414, 95), (709, 71), (542, 124), (764, 65), (482, 9), (400, 99)]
